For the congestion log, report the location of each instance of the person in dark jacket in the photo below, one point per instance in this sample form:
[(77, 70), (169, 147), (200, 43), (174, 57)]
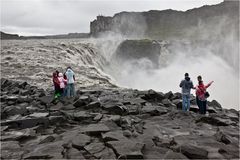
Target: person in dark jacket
[(186, 86)]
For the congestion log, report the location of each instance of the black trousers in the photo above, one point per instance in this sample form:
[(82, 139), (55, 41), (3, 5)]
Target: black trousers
[(202, 105)]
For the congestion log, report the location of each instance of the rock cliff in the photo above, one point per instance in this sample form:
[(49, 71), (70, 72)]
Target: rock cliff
[(169, 23)]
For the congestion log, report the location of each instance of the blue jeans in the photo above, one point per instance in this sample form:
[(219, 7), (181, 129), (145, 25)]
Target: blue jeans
[(70, 90), (185, 102)]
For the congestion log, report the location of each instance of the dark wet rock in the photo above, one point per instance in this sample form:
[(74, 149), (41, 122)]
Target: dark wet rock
[(221, 137), (46, 100), (134, 101), (73, 153), (164, 142), (77, 139), (13, 110), (82, 101), (153, 152), (127, 149), (93, 105), (232, 114), (94, 148), (176, 96), (178, 103), (98, 117), (11, 150), (168, 95), (26, 122), (229, 152), (153, 96), (112, 124), (56, 120), (193, 152), (20, 135), (47, 139), (166, 102), (38, 115), (118, 109), (214, 120), (82, 115), (68, 107), (174, 155), (215, 105), (95, 129), (46, 151), (107, 153), (127, 133), (211, 109), (154, 110), (113, 136), (194, 108)]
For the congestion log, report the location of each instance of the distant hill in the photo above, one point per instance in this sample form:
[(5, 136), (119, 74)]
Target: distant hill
[(7, 36)]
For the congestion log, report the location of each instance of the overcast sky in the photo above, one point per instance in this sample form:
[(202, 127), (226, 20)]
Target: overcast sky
[(44, 17)]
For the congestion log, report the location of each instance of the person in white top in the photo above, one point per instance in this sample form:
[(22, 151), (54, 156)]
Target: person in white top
[(70, 82)]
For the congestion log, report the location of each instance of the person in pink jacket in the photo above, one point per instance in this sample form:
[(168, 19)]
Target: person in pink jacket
[(62, 83), (201, 98)]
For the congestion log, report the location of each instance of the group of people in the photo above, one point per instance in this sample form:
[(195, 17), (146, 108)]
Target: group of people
[(64, 86), (64, 83), (201, 93)]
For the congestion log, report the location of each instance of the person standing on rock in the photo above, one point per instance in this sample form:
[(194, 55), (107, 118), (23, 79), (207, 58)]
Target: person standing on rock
[(201, 97), (62, 85), (186, 86), (70, 82), (56, 84)]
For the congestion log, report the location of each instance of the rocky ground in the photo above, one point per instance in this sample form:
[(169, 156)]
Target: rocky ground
[(112, 124)]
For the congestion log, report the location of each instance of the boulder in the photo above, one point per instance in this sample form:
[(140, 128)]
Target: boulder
[(174, 155), (46, 151), (127, 149), (93, 105), (94, 148), (46, 100), (95, 129), (168, 95), (118, 109), (26, 122), (82, 115), (82, 101), (153, 96), (13, 110), (194, 108), (11, 150), (178, 103), (214, 120), (113, 136), (77, 139), (107, 153), (221, 137), (215, 105), (192, 152), (154, 110), (73, 153), (20, 135)]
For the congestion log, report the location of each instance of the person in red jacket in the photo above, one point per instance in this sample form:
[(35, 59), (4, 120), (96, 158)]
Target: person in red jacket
[(200, 95), (56, 84)]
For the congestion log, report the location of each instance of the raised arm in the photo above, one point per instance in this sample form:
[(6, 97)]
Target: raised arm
[(209, 84)]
